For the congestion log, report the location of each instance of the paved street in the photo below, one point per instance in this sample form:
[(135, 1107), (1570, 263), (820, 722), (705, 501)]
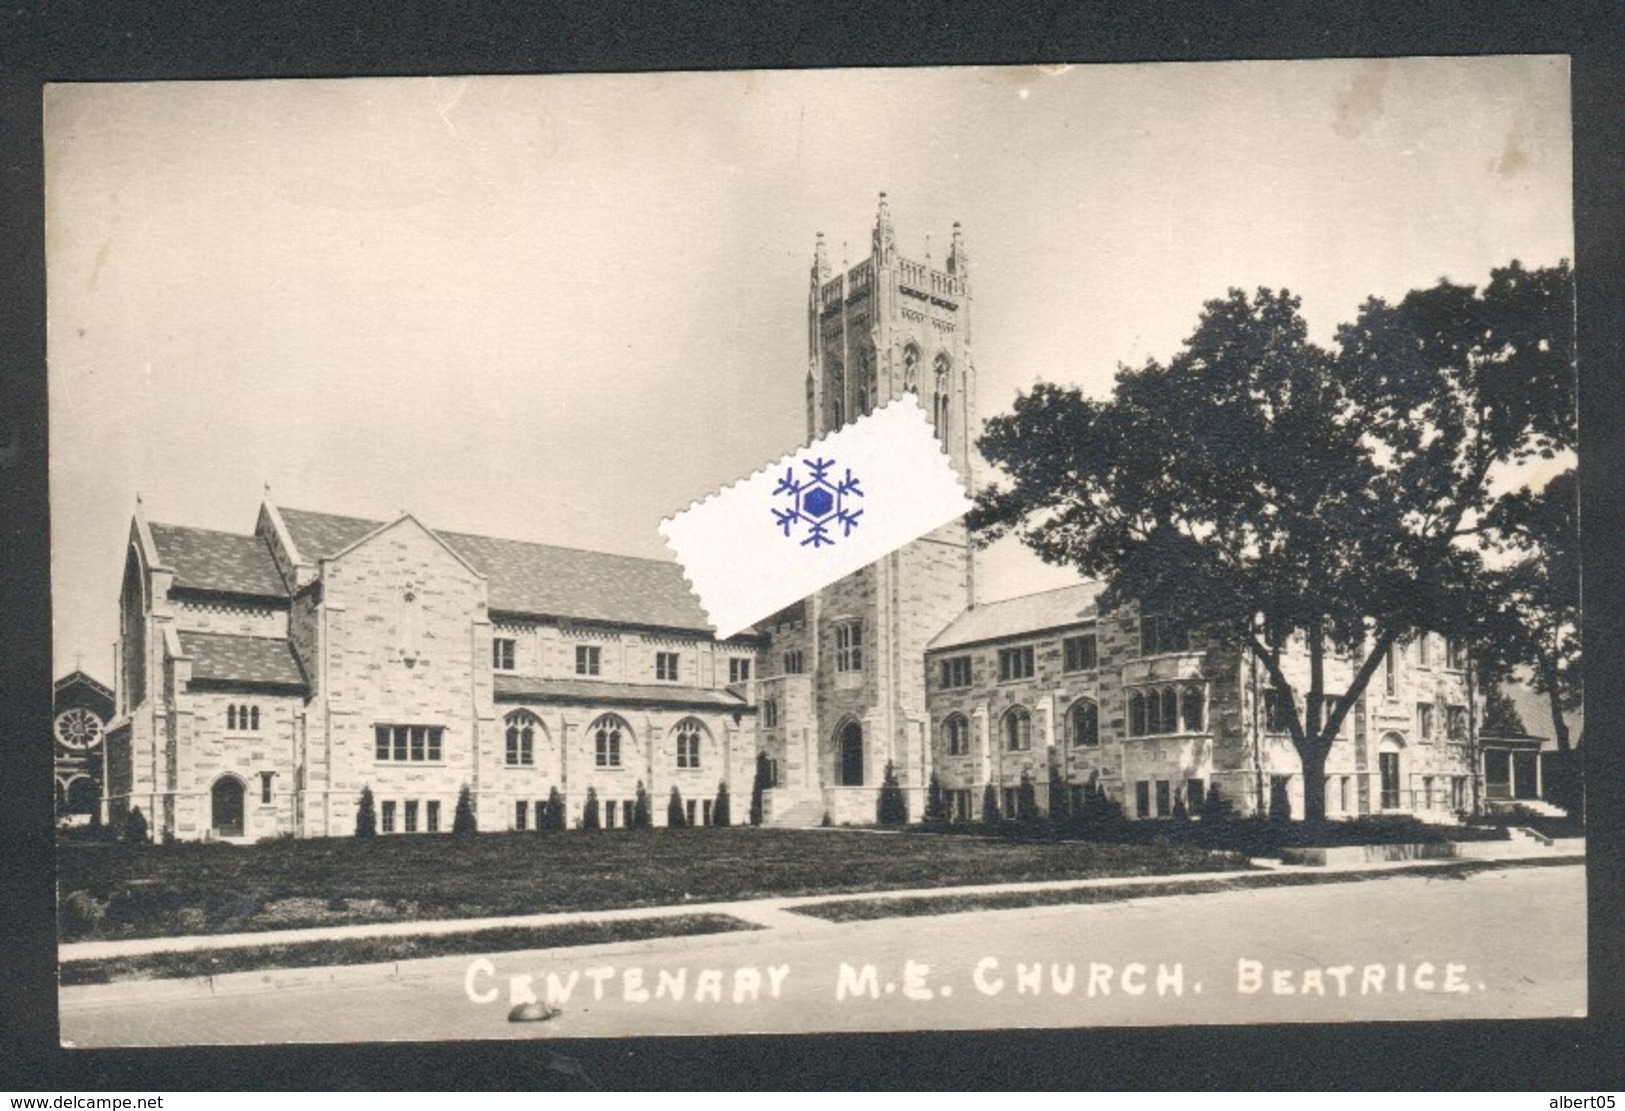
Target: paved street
[(1500, 944)]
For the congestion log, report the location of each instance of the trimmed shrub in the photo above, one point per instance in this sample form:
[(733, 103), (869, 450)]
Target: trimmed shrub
[(552, 814), (1280, 801), (892, 808), (828, 822), (990, 806), (366, 815), (589, 812), (936, 809), (721, 811), (462, 822), (1098, 807), (1181, 811), (757, 789), (1026, 800), (1215, 808), (641, 817), (675, 817), (135, 827), (1059, 804)]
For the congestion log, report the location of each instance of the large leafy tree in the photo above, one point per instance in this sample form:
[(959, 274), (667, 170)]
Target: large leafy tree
[(1534, 621), (1270, 491)]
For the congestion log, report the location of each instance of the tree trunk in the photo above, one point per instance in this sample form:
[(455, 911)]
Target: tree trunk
[(1312, 757), (1560, 728)]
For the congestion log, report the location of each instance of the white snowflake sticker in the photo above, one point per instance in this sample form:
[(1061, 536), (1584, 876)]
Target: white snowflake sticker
[(815, 516)]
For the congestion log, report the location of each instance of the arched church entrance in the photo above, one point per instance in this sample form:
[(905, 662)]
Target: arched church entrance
[(226, 807), (83, 796), (851, 755), (1388, 770)]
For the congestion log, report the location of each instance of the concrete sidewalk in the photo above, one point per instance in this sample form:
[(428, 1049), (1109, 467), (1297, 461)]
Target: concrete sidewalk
[(770, 913)]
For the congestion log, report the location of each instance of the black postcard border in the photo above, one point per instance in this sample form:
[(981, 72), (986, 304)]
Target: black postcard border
[(239, 40)]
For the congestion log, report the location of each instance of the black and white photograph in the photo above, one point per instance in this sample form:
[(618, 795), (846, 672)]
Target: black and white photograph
[(1246, 689)]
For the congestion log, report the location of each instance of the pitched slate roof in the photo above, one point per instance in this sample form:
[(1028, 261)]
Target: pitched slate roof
[(512, 688), (1020, 616), (540, 579), (221, 658), (205, 559)]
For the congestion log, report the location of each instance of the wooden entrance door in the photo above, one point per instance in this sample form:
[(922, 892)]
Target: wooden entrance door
[(226, 802)]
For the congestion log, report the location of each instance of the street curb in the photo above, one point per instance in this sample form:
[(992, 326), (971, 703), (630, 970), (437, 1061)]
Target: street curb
[(89, 996)]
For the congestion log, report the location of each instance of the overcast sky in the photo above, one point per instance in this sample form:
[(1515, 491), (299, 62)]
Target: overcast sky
[(560, 308)]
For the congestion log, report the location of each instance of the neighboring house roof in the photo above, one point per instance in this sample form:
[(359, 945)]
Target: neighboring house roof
[(1021, 616), (259, 661), (1535, 710), (77, 677), (219, 562), (526, 688), (524, 577)]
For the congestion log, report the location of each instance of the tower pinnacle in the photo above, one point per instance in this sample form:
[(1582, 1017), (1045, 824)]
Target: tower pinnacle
[(884, 237)]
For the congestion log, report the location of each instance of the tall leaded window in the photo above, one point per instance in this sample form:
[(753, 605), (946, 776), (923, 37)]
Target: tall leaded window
[(1455, 654), (1390, 673), (956, 735), (689, 732), (939, 399), (502, 653), (1018, 729), (1079, 653), (911, 369), (666, 666), (521, 738), (1192, 703), (1275, 711), (849, 646), (794, 662), (955, 672), (1161, 633), (1015, 663), (606, 734), (770, 712), (1083, 723), (402, 744)]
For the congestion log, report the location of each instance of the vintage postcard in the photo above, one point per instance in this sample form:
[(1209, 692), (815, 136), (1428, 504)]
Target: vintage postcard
[(1122, 562)]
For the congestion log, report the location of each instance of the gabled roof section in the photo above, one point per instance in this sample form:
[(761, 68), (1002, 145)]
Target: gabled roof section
[(539, 579), (218, 562), (317, 535), (248, 661), (1022, 616), (76, 677), (396, 523)]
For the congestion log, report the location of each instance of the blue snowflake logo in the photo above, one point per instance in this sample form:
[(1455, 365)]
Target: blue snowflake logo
[(819, 502)]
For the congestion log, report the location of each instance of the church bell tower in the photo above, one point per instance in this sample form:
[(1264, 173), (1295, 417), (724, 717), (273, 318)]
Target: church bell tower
[(877, 329)]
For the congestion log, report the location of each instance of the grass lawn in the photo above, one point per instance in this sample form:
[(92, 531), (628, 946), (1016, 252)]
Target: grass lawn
[(1247, 836), (380, 950), (916, 906), (116, 890)]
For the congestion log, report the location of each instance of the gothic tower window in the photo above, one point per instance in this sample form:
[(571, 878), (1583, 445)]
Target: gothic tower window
[(837, 396), (911, 369), (939, 400)]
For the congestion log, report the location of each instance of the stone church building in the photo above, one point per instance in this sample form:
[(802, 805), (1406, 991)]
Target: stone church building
[(267, 678)]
